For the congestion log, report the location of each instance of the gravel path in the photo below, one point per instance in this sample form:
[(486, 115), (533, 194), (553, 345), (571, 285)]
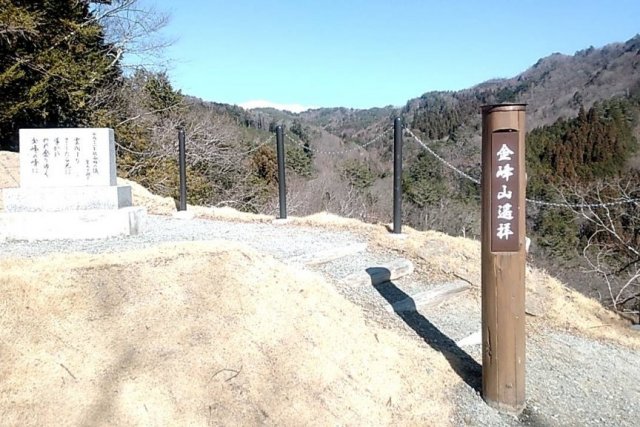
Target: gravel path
[(570, 380)]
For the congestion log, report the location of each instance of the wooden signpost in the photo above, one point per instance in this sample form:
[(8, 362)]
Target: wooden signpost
[(503, 256)]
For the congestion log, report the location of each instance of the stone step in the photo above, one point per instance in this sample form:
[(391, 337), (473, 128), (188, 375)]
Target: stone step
[(429, 298), (379, 274), (326, 256)]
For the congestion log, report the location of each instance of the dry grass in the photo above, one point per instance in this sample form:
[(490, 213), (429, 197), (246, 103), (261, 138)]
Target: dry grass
[(440, 258), (197, 334), (9, 172), (155, 205), (228, 214)]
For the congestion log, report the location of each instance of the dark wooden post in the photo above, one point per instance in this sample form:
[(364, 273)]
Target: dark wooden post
[(282, 189), (503, 256), (397, 175), (183, 170)]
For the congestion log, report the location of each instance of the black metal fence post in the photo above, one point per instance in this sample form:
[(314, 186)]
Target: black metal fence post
[(282, 190), (183, 171), (397, 175)]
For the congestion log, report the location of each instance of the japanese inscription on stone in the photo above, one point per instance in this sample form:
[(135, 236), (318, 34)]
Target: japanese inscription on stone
[(505, 192), (67, 157)]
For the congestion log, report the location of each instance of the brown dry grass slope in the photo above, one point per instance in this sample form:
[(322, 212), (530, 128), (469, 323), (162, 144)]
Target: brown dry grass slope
[(196, 334)]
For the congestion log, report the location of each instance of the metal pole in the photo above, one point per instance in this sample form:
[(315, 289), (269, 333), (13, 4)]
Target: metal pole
[(397, 175), (183, 171), (503, 256), (282, 190)]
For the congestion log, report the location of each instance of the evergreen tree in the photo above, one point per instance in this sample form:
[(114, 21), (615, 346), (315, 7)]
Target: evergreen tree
[(53, 60), (595, 144), (423, 182)]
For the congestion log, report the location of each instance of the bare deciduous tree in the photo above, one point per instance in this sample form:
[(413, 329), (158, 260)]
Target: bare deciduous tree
[(610, 214), (134, 31)]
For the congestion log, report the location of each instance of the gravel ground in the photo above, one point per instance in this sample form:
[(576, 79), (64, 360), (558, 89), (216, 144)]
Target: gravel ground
[(278, 240), (571, 380)]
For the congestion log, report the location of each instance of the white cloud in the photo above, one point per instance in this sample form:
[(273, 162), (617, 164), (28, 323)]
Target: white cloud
[(259, 103)]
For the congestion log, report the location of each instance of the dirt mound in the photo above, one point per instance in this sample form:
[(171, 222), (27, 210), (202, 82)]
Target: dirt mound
[(201, 333), (440, 257)]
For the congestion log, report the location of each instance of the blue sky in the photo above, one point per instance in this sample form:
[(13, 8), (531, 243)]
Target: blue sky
[(372, 53)]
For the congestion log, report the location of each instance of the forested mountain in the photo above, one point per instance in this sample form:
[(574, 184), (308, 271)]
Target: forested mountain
[(554, 87)]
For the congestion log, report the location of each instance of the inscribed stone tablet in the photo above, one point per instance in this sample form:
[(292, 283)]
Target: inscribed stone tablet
[(67, 157)]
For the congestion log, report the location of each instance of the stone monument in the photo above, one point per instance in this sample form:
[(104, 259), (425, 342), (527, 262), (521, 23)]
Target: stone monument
[(68, 188)]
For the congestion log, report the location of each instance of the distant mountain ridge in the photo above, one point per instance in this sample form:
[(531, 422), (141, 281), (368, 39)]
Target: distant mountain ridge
[(555, 86), (559, 84), (261, 103)]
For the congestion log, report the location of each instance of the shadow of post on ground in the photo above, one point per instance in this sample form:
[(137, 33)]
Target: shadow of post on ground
[(464, 365)]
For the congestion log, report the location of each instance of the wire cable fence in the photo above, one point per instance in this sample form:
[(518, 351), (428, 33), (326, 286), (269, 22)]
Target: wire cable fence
[(477, 181), (259, 145), (297, 141), (443, 161)]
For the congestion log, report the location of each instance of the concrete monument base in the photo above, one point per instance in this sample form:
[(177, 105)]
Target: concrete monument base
[(84, 224), (54, 199)]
